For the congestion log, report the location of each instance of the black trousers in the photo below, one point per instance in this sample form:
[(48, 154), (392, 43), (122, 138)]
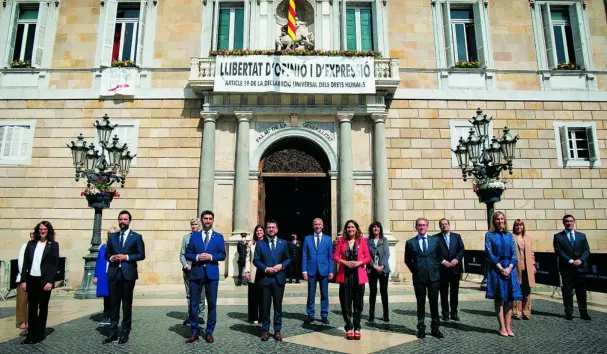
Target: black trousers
[(107, 307), (37, 303), (449, 290), (272, 295), (574, 281), (294, 271), (241, 279), (374, 277), (351, 295), (254, 297), (121, 292), (432, 289)]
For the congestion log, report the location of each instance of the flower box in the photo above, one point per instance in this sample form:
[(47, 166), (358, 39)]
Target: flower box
[(467, 65), (20, 64), (123, 64), (100, 201), (567, 66)]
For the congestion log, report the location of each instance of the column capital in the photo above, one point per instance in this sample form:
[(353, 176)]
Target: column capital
[(209, 116), (345, 116), (379, 117), (243, 116)]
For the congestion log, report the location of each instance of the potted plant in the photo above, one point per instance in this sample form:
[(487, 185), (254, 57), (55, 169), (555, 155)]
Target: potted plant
[(123, 64), (21, 64), (567, 66), (467, 65), (305, 52), (488, 190), (99, 192)]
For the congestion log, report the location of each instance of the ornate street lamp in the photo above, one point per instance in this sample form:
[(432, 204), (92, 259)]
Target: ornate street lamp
[(485, 159), (100, 173)]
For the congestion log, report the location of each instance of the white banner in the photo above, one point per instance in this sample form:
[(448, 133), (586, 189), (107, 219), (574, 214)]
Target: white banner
[(118, 82), (294, 74)]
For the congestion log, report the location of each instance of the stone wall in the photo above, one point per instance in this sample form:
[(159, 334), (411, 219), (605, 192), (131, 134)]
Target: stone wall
[(423, 183)]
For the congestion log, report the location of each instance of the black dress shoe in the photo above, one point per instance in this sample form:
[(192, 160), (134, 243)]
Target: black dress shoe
[(27, 341), (569, 317), (309, 320), (455, 317), (371, 319), (186, 322), (123, 339), (421, 334), (297, 282), (110, 339), (586, 317), (386, 319), (445, 317), (325, 321), (436, 333)]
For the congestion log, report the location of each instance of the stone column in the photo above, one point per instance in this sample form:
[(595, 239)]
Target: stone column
[(381, 196), (346, 180), (206, 184), (240, 218)]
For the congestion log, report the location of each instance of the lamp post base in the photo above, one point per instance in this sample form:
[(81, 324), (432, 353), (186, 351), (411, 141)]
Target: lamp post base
[(88, 290)]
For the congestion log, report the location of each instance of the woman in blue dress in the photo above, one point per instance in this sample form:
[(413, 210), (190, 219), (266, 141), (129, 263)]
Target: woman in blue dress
[(100, 279), (502, 281)]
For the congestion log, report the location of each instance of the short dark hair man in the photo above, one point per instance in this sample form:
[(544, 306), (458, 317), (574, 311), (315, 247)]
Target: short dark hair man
[(571, 248), (453, 250), (124, 250)]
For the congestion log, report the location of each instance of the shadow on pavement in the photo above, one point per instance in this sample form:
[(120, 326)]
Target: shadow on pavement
[(467, 328), (253, 330), (178, 315), (480, 312), (182, 330)]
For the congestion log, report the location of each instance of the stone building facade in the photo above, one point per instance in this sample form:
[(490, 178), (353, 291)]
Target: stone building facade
[(249, 156)]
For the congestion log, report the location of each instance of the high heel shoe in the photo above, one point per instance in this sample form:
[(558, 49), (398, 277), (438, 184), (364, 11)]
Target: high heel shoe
[(503, 334), (510, 333), (349, 335), (357, 335)]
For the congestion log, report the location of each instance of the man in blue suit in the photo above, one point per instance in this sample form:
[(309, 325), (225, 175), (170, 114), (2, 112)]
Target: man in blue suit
[(317, 267), (124, 249), (423, 256), (205, 250), (271, 259)]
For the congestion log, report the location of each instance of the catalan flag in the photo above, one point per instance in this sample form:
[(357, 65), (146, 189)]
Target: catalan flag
[(291, 23)]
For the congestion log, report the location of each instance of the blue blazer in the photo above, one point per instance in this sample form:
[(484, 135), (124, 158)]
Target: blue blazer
[(264, 258), (208, 270), (101, 273), (317, 261), (133, 247)]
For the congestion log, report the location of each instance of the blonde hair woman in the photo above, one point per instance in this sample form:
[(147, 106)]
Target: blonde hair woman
[(525, 270), (502, 283)]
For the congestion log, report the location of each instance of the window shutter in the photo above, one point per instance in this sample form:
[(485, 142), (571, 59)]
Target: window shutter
[(446, 7), (39, 39), (564, 134), (3, 132), (111, 9), (143, 15), (13, 33), (238, 29), (592, 148), (224, 29), (351, 29), (479, 32), (366, 30), (548, 36), (579, 42)]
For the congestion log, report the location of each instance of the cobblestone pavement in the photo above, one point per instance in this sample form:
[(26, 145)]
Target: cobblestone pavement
[(159, 330), (7, 312)]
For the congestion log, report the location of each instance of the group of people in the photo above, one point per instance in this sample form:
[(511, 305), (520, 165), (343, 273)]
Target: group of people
[(434, 261)]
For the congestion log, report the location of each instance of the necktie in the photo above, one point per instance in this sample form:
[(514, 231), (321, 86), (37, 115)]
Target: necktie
[(121, 239), (425, 247), (571, 239), (316, 241), (447, 241), (272, 245), (206, 239)]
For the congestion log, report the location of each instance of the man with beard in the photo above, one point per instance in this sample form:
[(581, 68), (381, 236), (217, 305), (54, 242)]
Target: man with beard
[(124, 250)]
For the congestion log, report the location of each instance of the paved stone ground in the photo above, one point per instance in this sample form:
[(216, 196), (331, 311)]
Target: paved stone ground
[(159, 330), (6, 312)]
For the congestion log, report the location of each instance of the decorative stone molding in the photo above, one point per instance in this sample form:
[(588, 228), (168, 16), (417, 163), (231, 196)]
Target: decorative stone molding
[(532, 3), (345, 116), (244, 116), (379, 117), (209, 116)]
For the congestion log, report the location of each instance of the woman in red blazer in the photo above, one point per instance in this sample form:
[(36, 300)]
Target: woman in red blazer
[(352, 255)]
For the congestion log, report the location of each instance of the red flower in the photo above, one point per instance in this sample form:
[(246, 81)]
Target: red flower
[(82, 193), (116, 195)]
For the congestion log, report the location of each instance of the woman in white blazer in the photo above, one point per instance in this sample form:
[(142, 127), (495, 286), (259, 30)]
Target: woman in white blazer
[(254, 288)]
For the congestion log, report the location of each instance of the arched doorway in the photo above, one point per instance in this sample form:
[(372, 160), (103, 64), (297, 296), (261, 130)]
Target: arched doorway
[(294, 187)]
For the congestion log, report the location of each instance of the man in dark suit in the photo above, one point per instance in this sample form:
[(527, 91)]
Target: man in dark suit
[(295, 252), (571, 248), (124, 250), (205, 250), (271, 259), (318, 268), (423, 256), (452, 248)]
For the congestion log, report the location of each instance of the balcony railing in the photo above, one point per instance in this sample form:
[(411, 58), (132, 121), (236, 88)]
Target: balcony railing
[(202, 74)]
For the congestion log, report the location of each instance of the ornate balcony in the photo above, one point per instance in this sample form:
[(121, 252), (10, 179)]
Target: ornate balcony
[(203, 73)]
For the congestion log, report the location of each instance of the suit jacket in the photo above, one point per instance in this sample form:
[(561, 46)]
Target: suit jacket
[(48, 264), (208, 270), (526, 258), (382, 251), (317, 261), (264, 258), (425, 267), (133, 247), (455, 251), (249, 266), (564, 251), (363, 256), (184, 244)]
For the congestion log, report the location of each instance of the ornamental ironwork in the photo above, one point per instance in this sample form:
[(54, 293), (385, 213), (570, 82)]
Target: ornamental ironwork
[(291, 161)]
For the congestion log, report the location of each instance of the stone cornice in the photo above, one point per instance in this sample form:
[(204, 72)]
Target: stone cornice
[(209, 116), (379, 117), (345, 116), (243, 116)]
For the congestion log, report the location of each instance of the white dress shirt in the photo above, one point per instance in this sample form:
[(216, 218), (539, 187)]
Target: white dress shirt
[(35, 271), (20, 261), (420, 239)]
